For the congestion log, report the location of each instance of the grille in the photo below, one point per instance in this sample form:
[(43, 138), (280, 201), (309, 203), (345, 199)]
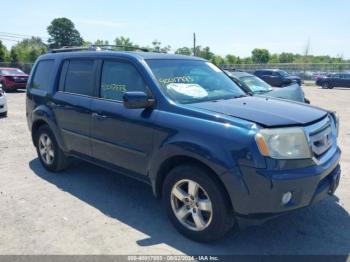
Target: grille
[(321, 137)]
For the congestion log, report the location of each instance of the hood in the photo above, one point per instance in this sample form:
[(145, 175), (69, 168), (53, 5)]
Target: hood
[(292, 92), (268, 112), (17, 75)]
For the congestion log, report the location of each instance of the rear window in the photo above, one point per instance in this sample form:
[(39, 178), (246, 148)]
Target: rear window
[(42, 75), (77, 77)]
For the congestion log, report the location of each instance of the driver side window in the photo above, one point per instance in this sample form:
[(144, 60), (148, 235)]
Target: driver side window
[(118, 78)]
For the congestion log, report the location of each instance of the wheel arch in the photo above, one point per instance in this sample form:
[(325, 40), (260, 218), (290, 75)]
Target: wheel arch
[(44, 116), (171, 162)]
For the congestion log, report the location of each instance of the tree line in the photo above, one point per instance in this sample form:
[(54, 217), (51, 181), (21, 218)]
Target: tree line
[(62, 33)]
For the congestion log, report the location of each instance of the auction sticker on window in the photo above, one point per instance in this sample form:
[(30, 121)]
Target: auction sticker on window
[(192, 90)]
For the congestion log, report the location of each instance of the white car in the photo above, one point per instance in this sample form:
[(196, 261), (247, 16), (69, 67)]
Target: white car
[(3, 103)]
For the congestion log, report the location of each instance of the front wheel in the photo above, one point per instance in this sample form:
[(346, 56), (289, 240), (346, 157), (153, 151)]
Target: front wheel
[(196, 203)]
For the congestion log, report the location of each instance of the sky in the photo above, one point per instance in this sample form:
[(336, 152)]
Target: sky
[(226, 26)]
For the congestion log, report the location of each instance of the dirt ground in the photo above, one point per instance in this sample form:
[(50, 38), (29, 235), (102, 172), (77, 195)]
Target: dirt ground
[(88, 210)]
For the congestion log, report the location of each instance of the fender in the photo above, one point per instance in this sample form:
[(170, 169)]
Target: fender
[(43, 113), (211, 157)]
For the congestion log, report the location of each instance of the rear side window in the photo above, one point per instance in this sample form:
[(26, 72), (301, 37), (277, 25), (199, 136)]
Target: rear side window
[(118, 78), (77, 77), (42, 75)]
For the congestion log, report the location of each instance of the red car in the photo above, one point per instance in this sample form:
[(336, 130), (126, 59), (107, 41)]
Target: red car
[(12, 78)]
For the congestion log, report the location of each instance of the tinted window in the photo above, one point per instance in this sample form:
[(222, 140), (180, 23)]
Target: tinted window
[(79, 77), (347, 76), (118, 78), (266, 73), (41, 78)]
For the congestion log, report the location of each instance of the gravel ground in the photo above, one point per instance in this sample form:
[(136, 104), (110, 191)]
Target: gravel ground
[(88, 210)]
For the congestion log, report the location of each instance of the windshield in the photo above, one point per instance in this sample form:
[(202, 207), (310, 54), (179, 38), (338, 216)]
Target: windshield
[(283, 73), (187, 81), (14, 71), (255, 84)]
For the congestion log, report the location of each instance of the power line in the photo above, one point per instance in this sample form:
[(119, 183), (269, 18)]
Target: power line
[(13, 34), (8, 39), (20, 36)]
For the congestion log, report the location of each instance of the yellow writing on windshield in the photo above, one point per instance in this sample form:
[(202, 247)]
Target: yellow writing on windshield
[(177, 79)]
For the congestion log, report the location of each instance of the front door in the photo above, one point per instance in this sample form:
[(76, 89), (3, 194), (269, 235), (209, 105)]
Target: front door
[(120, 136)]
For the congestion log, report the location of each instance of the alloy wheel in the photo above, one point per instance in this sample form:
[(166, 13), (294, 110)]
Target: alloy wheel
[(46, 150), (191, 205)]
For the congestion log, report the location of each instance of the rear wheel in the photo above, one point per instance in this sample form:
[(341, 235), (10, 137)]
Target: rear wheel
[(197, 204), (326, 85), (50, 154)]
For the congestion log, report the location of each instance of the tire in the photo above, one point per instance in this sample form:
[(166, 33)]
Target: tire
[(326, 85), (4, 87), (54, 160), (211, 196)]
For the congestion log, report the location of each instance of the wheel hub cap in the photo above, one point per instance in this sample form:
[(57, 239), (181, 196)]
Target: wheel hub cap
[(191, 205), (46, 149)]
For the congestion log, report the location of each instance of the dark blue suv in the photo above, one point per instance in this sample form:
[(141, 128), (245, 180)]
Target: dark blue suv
[(215, 155)]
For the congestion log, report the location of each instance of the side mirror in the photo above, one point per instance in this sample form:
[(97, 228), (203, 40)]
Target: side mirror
[(135, 100)]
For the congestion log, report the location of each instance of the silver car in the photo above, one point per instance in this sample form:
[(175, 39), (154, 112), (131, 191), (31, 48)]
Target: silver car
[(3, 103), (254, 85)]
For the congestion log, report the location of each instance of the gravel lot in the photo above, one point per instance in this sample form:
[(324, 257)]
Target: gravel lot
[(88, 210)]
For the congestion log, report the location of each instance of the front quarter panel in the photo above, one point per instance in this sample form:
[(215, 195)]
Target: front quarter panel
[(220, 145)]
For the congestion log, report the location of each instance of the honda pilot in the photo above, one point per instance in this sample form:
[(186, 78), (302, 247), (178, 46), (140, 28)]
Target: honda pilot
[(216, 156)]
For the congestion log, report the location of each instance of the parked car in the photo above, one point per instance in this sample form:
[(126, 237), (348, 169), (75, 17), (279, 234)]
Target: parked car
[(254, 85), (12, 78), (334, 80), (277, 77), (3, 103), (216, 156)]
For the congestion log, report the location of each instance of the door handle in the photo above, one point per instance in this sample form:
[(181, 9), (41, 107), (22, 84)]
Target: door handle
[(99, 116)]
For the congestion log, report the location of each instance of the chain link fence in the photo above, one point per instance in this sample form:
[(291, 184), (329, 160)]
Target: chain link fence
[(305, 71)]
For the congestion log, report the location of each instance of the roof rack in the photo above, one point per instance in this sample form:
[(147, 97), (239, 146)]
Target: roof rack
[(98, 48)]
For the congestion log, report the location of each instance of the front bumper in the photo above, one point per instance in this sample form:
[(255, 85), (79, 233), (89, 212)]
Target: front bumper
[(258, 197), (14, 85)]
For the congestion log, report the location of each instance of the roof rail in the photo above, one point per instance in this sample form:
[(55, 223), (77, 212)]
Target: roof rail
[(97, 48)]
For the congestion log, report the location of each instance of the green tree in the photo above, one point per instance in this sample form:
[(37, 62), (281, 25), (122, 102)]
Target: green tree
[(205, 52), (274, 58), (230, 59), (286, 58), (14, 56), (157, 47), (28, 50), (125, 43), (217, 60), (3, 52), (260, 56), (101, 42), (184, 51), (63, 33)]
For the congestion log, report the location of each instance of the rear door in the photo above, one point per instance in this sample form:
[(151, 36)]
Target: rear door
[(346, 80), (120, 136), (336, 80), (72, 103)]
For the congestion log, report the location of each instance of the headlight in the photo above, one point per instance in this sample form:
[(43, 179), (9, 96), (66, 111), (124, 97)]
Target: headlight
[(283, 143), (336, 121)]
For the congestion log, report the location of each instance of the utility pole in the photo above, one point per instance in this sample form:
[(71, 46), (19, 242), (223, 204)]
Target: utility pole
[(194, 44)]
